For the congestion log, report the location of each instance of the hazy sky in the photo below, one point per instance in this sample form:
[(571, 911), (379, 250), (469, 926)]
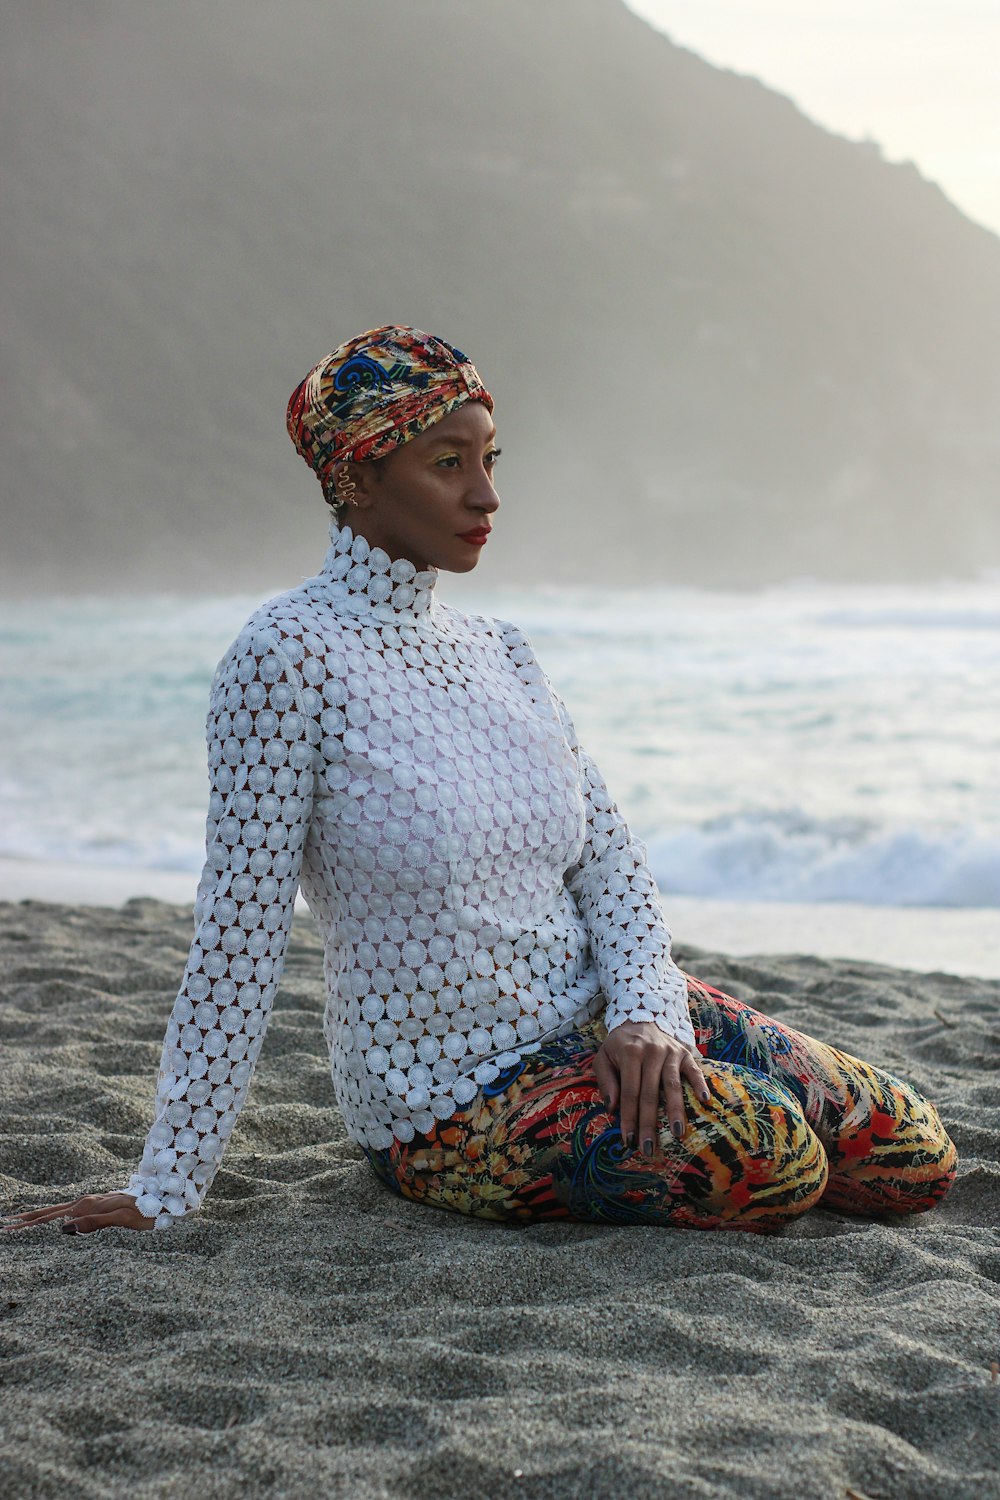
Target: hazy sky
[(921, 77)]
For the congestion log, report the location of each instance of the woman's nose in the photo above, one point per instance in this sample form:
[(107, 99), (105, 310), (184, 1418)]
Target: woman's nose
[(484, 496)]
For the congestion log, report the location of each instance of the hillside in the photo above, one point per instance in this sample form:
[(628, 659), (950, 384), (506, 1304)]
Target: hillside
[(725, 344)]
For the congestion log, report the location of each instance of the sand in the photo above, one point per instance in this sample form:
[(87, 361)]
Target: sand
[(311, 1334), (962, 940)]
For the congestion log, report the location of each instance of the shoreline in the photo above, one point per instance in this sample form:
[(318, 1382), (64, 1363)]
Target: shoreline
[(929, 939)]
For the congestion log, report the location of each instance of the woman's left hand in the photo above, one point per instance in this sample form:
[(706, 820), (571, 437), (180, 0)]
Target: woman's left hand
[(638, 1065)]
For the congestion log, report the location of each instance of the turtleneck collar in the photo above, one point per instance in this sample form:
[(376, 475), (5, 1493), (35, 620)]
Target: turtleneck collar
[(365, 580)]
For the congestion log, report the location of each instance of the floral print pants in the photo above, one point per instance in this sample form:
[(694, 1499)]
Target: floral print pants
[(790, 1122)]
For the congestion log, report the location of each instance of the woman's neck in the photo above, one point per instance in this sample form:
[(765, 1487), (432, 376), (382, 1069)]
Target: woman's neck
[(366, 580)]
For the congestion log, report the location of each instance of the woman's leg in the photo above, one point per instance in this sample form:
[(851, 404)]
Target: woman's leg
[(540, 1144), (887, 1148)]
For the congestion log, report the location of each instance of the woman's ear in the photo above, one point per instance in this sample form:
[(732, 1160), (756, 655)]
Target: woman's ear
[(343, 488), (365, 478)]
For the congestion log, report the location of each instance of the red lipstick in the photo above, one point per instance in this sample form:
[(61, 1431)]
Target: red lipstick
[(476, 537)]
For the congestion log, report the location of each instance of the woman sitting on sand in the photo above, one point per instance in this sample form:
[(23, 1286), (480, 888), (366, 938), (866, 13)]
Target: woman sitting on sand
[(508, 1033)]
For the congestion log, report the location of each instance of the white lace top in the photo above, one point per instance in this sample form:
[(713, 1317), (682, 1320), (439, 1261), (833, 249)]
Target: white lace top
[(475, 886)]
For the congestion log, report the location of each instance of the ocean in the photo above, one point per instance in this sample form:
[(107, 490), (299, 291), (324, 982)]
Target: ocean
[(808, 743)]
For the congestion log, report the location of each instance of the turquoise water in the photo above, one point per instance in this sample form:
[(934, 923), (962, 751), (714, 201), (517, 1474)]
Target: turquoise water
[(807, 743)]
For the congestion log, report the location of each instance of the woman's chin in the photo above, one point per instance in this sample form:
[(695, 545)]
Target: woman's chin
[(462, 559)]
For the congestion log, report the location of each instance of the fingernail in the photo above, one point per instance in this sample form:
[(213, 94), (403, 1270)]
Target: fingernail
[(68, 1228), (630, 1139), (647, 1146), (677, 1128), (607, 1101), (706, 1096)]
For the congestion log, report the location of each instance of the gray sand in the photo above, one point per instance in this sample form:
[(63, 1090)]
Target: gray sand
[(311, 1334)]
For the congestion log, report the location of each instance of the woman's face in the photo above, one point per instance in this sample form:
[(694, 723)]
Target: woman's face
[(421, 500)]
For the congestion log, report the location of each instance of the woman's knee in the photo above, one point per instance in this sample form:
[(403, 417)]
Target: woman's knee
[(765, 1164)]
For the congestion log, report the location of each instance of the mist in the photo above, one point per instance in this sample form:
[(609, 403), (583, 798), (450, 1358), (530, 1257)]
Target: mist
[(727, 347)]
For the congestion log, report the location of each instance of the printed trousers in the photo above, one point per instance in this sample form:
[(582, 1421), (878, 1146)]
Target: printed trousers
[(790, 1122)]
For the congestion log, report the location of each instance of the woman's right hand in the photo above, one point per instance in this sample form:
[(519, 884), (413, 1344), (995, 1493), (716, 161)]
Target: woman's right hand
[(85, 1215)]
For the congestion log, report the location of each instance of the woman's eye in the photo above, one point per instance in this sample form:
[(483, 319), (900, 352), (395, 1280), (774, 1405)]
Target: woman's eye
[(452, 460)]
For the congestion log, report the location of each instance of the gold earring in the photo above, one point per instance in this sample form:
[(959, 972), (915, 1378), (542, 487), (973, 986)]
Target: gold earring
[(344, 484)]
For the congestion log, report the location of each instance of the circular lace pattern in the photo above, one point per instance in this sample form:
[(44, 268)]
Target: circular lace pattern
[(477, 889)]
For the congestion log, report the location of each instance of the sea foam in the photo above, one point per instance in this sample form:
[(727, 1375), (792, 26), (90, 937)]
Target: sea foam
[(805, 743)]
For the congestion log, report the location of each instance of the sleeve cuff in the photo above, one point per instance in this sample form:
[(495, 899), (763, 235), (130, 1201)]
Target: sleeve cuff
[(163, 1208), (667, 1009)]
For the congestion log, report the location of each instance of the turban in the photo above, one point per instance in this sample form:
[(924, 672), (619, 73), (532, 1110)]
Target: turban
[(376, 392)]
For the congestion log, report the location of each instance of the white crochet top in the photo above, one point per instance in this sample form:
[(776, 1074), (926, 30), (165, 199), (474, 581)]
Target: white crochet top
[(475, 886)]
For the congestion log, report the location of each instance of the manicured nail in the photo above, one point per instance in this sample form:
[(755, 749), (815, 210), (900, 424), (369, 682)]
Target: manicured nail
[(647, 1146), (630, 1139), (677, 1128), (607, 1101), (706, 1096)]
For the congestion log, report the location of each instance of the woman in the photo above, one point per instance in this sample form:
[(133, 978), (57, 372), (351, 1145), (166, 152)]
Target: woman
[(508, 1033)]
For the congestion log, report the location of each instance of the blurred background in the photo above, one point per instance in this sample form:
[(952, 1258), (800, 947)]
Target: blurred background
[(732, 273)]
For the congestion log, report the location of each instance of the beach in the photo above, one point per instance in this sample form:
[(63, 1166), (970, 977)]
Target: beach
[(310, 1333)]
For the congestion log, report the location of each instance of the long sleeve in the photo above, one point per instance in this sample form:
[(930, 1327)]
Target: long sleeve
[(616, 892), (261, 776)]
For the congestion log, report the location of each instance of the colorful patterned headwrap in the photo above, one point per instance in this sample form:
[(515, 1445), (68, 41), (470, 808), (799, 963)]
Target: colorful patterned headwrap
[(376, 392)]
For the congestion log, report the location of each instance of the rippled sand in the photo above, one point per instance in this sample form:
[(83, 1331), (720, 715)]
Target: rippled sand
[(310, 1334)]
